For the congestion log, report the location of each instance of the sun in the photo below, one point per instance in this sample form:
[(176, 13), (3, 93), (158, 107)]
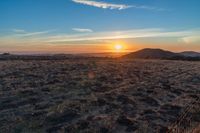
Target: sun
[(118, 47)]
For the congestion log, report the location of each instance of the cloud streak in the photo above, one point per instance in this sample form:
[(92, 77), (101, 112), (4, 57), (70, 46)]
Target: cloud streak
[(33, 34), (106, 5), (19, 31), (102, 4), (191, 39), (20, 36), (23, 33), (45, 38), (111, 35), (82, 30)]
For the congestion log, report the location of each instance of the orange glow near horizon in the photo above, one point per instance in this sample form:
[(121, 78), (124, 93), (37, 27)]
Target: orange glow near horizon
[(118, 46), (114, 46)]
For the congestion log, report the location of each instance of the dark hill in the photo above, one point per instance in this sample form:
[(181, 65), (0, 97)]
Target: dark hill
[(190, 54), (148, 53)]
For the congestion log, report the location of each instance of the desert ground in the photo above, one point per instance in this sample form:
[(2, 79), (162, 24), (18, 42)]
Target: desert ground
[(96, 95)]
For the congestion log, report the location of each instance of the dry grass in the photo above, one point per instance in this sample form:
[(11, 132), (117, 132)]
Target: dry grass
[(95, 95)]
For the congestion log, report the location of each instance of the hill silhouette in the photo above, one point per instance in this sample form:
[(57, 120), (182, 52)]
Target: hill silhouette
[(149, 53), (190, 54)]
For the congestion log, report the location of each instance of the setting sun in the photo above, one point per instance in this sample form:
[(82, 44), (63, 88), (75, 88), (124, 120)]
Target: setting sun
[(118, 47)]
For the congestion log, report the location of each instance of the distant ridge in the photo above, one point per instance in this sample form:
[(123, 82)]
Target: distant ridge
[(149, 53), (8, 56), (190, 54)]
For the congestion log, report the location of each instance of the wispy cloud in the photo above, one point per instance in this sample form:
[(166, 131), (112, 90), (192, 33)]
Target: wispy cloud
[(24, 33), (127, 34), (149, 8), (18, 30), (33, 34), (191, 39), (82, 30), (46, 38), (20, 36), (104, 5)]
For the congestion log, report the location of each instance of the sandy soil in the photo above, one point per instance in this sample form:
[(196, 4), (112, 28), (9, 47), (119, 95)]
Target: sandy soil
[(95, 95)]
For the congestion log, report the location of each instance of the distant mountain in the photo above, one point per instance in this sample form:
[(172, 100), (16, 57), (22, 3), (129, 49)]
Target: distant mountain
[(149, 53), (7, 56), (190, 54), (146, 53)]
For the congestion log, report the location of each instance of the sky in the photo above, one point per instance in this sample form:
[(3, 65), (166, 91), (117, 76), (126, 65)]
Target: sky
[(90, 26)]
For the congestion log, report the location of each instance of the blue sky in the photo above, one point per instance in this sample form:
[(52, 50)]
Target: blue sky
[(41, 24)]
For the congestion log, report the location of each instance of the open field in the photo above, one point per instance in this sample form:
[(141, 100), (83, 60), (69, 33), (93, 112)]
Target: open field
[(95, 95)]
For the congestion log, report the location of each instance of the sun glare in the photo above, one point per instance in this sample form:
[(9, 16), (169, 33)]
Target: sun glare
[(118, 47)]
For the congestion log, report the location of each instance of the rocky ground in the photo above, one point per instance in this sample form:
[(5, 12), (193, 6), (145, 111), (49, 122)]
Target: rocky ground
[(95, 95)]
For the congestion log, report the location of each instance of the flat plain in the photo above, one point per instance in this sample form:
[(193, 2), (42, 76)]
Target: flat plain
[(95, 95)]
